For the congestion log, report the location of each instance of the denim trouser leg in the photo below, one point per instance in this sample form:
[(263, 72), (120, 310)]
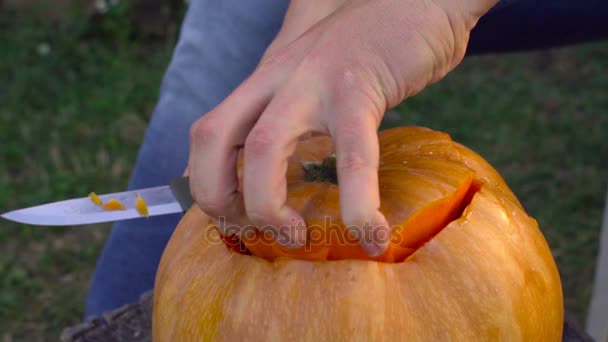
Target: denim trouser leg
[(220, 44)]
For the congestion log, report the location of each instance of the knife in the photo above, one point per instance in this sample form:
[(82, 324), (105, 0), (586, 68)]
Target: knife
[(161, 200)]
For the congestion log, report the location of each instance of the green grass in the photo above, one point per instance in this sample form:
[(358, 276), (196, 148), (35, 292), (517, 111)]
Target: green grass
[(71, 121)]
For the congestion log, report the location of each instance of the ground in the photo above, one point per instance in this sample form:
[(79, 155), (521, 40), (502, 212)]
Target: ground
[(74, 107)]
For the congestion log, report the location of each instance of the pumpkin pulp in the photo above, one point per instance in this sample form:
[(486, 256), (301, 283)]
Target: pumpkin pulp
[(424, 185)]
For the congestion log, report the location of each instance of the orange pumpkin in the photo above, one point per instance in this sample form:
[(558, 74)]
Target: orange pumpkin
[(465, 261)]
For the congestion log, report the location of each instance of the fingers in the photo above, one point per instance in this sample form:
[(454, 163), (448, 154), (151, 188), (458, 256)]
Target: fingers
[(357, 158), (268, 140), (217, 137), (215, 140), (268, 125), (267, 148)]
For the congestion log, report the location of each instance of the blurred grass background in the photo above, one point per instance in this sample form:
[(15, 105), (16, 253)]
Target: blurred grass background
[(76, 96)]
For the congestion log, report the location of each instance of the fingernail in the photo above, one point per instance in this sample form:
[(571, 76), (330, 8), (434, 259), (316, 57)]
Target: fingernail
[(377, 243), (374, 249), (376, 246)]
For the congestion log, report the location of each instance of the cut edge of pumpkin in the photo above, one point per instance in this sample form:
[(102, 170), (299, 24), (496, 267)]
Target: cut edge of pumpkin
[(457, 215), (395, 253), (425, 224)]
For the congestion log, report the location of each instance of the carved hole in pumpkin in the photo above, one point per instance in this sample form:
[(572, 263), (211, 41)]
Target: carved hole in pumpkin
[(473, 189), (233, 242), (468, 198)]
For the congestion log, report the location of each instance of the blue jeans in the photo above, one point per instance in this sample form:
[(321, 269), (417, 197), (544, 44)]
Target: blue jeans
[(220, 44)]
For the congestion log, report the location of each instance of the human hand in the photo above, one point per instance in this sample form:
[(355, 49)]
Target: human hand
[(335, 68)]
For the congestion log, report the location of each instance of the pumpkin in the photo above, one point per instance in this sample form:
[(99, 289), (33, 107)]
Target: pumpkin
[(465, 261), (141, 206), (95, 199), (114, 204)]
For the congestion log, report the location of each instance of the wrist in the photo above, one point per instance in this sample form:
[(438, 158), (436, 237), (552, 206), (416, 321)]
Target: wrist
[(461, 16)]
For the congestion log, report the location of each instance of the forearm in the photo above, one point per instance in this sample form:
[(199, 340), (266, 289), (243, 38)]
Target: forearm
[(464, 15)]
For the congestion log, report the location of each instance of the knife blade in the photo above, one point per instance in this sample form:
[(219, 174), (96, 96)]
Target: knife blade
[(161, 200)]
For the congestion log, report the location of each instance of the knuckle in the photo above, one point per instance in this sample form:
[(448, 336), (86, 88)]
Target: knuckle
[(366, 101), (319, 67), (339, 78), (214, 206), (314, 59), (276, 58), (205, 129), (352, 88), (350, 77), (352, 162), (350, 83), (260, 141), (346, 79)]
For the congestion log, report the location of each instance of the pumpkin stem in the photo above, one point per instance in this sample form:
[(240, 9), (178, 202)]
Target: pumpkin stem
[(321, 171)]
